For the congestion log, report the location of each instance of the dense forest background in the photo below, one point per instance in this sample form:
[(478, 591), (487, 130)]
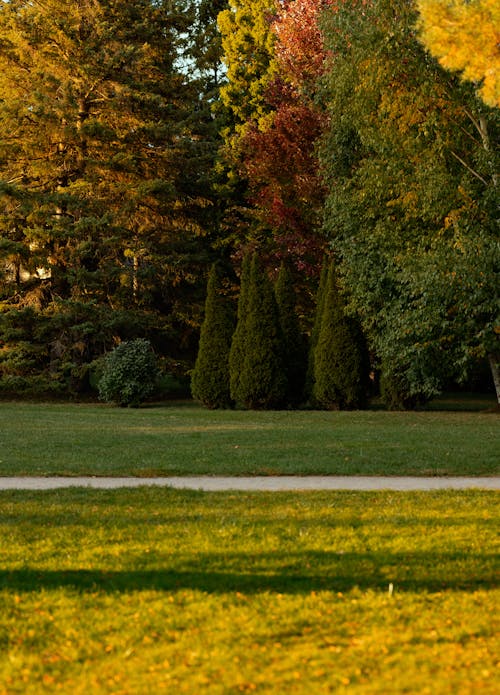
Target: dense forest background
[(144, 143)]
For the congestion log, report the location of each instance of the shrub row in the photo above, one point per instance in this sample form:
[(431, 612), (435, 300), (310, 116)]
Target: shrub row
[(262, 360)]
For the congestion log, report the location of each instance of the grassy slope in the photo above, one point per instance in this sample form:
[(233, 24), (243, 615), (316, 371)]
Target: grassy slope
[(142, 591), (61, 439)]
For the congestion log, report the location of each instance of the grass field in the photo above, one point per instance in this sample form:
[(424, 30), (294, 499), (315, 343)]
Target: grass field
[(150, 590), (85, 439)]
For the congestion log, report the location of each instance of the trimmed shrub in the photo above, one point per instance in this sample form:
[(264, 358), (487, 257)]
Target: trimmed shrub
[(262, 382), (294, 345), (313, 341), (210, 377), (238, 343), (340, 361), (130, 373)]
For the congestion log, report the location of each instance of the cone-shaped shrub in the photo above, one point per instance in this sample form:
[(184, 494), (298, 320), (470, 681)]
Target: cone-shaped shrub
[(340, 359), (294, 346), (210, 377), (238, 344), (313, 340), (262, 380)]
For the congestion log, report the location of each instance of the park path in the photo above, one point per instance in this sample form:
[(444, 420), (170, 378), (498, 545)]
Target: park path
[(264, 483)]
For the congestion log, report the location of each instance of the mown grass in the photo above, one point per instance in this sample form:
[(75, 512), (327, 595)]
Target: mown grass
[(153, 590), (62, 439)]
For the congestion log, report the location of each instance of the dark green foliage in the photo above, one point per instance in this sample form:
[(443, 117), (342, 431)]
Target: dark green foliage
[(130, 373), (294, 345), (52, 350), (106, 167), (340, 360), (210, 378), (320, 297), (262, 382), (396, 393), (410, 159), (238, 344)]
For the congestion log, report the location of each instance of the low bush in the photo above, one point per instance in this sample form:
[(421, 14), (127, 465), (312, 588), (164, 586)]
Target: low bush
[(130, 373)]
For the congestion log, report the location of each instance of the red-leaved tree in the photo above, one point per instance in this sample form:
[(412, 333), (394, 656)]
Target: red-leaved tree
[(279, 157)]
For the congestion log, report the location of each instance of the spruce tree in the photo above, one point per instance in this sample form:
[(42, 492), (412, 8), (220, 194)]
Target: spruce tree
[(293, 340), (238, 344), (105, 162), (263, 382), (210, 377), (340, 362)]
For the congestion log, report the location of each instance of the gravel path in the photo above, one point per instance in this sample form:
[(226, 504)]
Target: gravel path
[(272, 483)]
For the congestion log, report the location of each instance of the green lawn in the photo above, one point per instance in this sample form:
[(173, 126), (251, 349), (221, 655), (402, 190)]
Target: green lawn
[(85, 439), (152, 590)]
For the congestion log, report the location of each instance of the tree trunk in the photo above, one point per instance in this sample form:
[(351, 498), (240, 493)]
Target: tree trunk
[(494, 361)]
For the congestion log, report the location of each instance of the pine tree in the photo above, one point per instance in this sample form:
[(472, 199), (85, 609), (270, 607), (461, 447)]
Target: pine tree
[(293, 339), (340, 362), (239, 341), (100, 135), (263, 382), (91, 140), (210, 377)]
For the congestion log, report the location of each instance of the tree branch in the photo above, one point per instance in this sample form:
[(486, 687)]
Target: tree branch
[(474, 173)]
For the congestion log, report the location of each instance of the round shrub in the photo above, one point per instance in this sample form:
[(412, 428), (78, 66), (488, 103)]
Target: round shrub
[(130, 373)]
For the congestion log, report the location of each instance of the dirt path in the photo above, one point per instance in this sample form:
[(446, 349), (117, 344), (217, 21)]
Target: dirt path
[(270, 483)]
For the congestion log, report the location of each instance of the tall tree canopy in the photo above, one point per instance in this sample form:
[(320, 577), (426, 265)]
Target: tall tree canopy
[(247, 43), (410, 157), (274, 55), (279, 154), (98, 162), (465, 36)]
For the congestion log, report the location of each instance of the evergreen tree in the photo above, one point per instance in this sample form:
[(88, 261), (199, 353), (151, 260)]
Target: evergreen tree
[(210, 377), (238, 344), (340, 361), (100, 135), (262, 382), (247, 43), (313, 341), (293, 339)]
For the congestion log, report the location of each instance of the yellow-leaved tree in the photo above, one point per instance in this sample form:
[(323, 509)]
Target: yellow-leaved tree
[(465, 36)]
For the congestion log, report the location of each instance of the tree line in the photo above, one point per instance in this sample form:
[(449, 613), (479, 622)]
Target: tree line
[(143, 142), (262, 360)]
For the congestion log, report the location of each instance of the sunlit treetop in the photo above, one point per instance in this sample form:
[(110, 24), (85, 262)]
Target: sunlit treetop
[(247, 43), (465, 36)]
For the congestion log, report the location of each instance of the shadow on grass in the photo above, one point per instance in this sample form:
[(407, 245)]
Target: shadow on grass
[(300, 573)]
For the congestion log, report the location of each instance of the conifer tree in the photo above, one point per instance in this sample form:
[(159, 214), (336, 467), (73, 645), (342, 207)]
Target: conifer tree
[(238, 344), (313, 341), (92, 142), (210, 377), (263, 381), (247, 43), (340, 362), (102, 184), (293, 339)]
